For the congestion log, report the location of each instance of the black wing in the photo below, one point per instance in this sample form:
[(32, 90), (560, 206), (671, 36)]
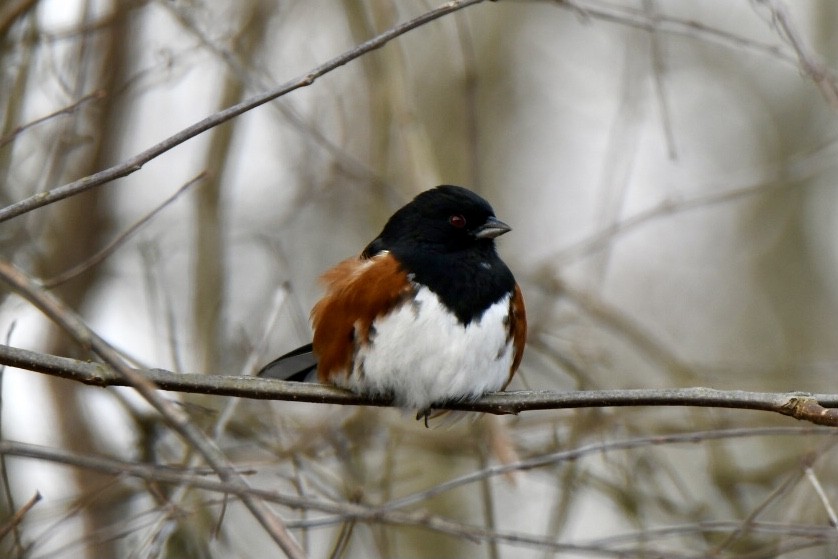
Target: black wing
[(299, 365)]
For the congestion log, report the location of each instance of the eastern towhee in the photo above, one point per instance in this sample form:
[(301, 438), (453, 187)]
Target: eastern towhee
[(428, 313)]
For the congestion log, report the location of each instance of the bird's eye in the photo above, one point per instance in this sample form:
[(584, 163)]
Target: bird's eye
[(457, 221)]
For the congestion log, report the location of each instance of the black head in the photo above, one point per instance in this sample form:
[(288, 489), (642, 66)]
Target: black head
[(442, 220), (445, 239)]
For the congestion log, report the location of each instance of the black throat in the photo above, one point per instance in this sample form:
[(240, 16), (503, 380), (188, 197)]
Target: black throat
[(467, 282)]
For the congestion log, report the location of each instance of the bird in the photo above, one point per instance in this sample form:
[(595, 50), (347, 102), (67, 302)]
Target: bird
[(428, 313)]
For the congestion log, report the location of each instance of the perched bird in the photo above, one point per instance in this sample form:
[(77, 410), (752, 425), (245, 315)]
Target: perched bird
[(428, 313)]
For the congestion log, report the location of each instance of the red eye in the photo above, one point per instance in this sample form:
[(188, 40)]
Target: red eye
[(457, 221)]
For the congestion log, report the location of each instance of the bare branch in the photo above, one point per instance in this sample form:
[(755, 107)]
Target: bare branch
[(120, 239), (69, 109), (339, 512), (661, 23), (135, 163), (816, 408), (18, 516), (809, 62), (174, 416), (592, 449), (389, 513), (824, 498), (747, 524), (604, 237)]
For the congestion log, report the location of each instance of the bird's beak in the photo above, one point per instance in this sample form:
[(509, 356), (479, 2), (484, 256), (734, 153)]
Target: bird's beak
[(491, 229)]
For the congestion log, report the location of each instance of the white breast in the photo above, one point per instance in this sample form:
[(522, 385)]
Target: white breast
[(421, 354)]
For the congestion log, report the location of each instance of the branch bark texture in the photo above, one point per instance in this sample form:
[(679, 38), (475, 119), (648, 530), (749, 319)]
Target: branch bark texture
[(820, 409)]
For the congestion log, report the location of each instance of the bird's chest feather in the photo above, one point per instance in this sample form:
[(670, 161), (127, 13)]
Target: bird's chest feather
[(421, 354)]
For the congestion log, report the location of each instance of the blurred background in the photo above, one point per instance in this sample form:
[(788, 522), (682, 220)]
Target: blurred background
[(669, 169)]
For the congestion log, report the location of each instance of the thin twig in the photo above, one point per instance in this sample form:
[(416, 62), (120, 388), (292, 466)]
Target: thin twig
[(720, 527), (749, 521), (658, 73), (69, 109), (816, 485), (160, 297), (119, 240), (136, 162), (13, 522), (255, 80), (251, 363), (661, 23), (592, 449), (809, 62), (602, 238)]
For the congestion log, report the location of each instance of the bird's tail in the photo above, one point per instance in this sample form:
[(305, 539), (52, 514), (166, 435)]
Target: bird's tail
[(299, 365)]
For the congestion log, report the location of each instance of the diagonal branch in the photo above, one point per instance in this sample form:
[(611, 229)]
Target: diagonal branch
[(809, 62), (174, 416), (136, 162), (113, 245), (821, 409)]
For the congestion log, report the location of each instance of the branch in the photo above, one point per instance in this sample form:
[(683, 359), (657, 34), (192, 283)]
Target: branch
[(19, 515), (390, 512), (661, 23), (13, 12), (809, 62), (135, 163), (816, 408), (69, 109), (598, 448), (178, 420), (113, 245)]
